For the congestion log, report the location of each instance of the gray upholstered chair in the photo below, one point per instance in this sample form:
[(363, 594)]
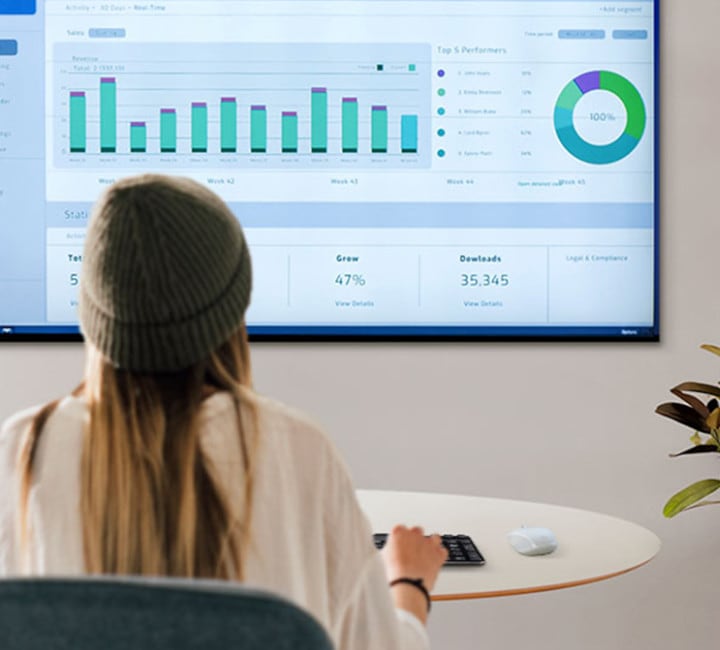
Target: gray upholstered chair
[(150, 614)]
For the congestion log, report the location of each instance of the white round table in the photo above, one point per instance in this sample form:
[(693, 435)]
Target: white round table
[(591, 546)]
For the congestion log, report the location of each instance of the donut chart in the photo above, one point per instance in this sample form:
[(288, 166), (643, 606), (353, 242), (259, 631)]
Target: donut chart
[(626, 92)]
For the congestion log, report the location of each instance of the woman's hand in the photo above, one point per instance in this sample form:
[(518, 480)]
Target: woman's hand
[(408, 553)]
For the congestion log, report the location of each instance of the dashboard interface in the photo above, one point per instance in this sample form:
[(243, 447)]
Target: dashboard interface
[(402, 168)]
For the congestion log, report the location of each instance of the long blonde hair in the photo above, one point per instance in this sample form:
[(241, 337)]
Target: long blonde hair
[(150, 502)]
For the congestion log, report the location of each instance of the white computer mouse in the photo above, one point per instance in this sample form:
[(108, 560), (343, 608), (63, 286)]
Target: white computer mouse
[(532, 540)]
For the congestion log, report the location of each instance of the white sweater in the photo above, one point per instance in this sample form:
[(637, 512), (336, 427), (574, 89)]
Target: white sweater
[(310, 541)]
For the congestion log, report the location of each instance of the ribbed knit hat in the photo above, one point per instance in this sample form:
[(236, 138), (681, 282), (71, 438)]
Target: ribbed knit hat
[(166, 274)]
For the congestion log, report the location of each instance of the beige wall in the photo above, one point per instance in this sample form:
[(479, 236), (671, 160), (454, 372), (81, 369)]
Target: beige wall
[(571, 424)]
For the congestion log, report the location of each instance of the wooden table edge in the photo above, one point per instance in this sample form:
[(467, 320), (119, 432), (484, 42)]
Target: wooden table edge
[(533, 590)]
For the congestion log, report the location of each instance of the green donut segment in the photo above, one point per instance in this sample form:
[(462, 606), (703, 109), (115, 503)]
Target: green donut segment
[(570, 96), (630, 97)]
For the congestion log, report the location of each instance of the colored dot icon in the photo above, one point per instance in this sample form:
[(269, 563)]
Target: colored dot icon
[(441, 153)]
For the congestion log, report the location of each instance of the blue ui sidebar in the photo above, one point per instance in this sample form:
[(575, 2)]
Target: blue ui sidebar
[(18, 7)]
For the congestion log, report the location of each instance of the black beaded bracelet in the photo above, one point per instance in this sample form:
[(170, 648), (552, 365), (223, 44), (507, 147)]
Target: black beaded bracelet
[(417, 583)]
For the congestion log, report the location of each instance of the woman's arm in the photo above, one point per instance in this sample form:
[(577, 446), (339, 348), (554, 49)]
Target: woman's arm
[(374, 619)]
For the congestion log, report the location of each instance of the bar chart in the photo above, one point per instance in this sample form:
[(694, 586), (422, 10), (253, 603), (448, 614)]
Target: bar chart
[(254, 105)]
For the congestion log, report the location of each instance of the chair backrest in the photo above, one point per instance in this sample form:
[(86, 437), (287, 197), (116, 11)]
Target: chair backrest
[(150, 614)]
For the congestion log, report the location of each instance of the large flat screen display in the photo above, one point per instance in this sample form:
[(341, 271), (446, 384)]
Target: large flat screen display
[(403, 168)]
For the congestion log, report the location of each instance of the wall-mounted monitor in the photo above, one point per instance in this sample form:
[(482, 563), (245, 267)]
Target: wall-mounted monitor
[(403, 169)]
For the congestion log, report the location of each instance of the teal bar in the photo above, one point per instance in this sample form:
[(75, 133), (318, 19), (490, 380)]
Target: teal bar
[(138, 137), (289, 132), (258, 129), (168, 130), (228, 125), (78, 121), (199, 121), (379, 129), (108, 115), (349, 125), (318, 120), (408, 133)]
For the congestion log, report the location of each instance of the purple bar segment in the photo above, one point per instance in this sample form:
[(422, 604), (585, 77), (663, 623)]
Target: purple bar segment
[(349, 100), (199, 104), (167, 110), (137, 123), (77, 93), (289, 113), (319, 90), (231, 100), (379, 108), (258, 107), (107, 80), (588, 81)]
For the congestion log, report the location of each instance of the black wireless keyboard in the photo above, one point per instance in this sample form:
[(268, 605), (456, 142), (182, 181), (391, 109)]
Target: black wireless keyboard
[(461, 549)]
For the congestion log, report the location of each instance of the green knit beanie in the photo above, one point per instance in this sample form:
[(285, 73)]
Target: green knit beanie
[(166, 274)]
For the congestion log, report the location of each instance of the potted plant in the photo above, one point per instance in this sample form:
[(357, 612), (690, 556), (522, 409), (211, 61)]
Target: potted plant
[(703, 417)]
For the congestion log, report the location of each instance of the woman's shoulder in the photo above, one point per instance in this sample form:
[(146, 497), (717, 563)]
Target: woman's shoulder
[(68, 409), (273, 416), (288, 418), (67, 414), (289, 435)]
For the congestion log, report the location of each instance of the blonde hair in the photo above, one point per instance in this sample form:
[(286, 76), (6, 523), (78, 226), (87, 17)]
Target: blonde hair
[(150, 502)]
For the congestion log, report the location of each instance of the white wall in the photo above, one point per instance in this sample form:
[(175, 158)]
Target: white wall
[(571, 424)]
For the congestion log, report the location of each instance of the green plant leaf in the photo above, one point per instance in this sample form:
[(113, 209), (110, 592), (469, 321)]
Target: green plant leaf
[(702, 504), (711, 348), (690, 495), (697, 449), (684, 414)]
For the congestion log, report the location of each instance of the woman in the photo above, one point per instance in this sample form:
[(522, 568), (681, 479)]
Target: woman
[(165, 462)]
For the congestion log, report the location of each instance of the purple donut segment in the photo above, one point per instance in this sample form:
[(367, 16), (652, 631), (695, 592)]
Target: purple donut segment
[(588, 81)]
